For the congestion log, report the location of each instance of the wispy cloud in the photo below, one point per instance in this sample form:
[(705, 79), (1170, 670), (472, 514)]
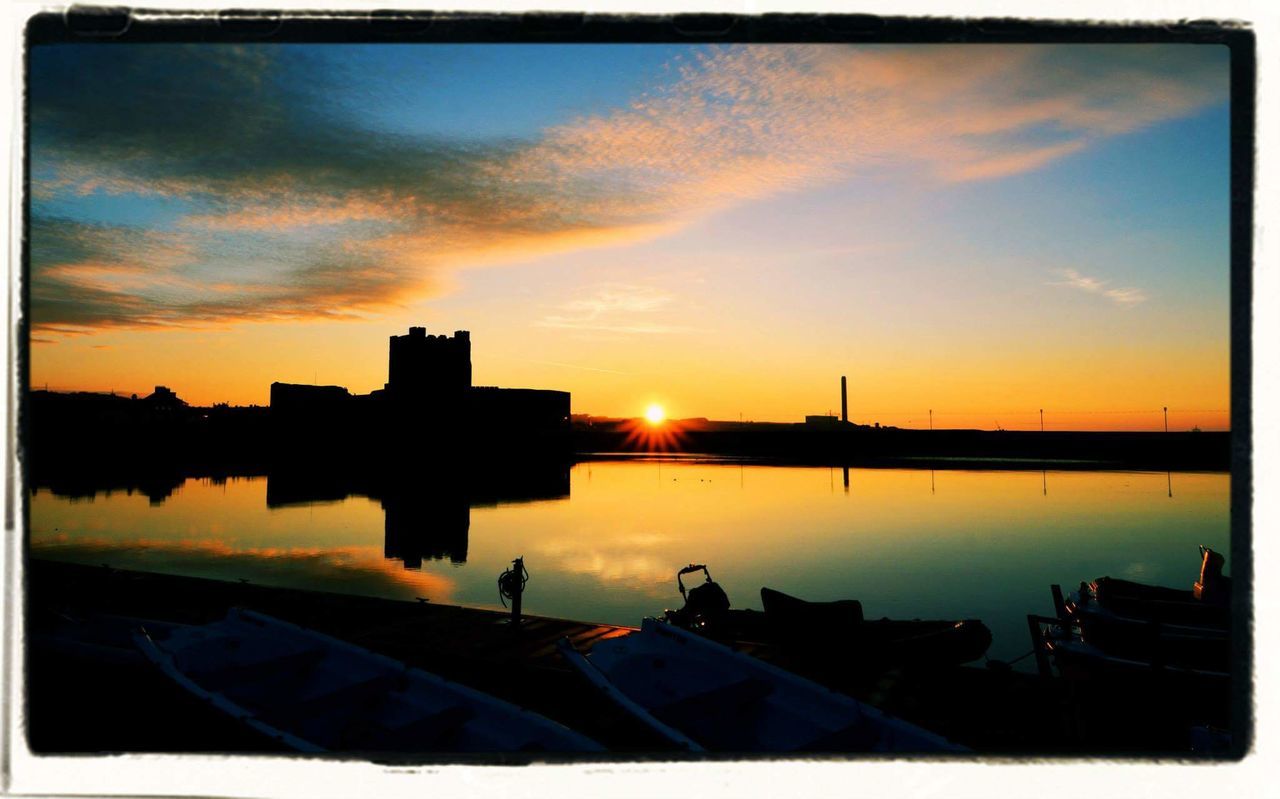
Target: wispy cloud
[(300, 213), (616, 308), (1092, 285), (582, 368)]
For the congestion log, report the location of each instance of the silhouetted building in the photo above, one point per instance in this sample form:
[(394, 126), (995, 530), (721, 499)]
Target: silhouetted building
[(163, 399), (287, 396), (427, 401), (824, 421), (429, 368), (519, 408)]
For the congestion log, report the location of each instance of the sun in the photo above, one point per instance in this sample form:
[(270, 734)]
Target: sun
[(654, 432)]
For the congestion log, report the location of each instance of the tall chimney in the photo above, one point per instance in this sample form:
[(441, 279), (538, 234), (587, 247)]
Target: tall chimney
[(844, 400)]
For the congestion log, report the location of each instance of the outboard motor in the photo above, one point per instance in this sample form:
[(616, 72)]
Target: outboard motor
[(705, 605), (1212, 587)]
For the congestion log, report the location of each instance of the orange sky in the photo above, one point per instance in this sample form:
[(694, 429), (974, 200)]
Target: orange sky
[(982, 231)]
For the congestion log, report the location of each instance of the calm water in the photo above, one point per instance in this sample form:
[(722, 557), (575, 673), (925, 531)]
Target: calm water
[(605, 540)]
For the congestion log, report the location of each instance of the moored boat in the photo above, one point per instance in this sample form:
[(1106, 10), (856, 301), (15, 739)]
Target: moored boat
[(1076, 655), (700, 694), (838, 629), (834, 635), (1156, 624), (315, 693)]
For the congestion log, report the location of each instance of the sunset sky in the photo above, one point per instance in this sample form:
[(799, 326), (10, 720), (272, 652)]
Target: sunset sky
[(981, 230)]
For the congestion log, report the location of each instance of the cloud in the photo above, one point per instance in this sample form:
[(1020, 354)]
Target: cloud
[(616, 308), (582, 368), (292, 209), (86, 277), (1092, 285)]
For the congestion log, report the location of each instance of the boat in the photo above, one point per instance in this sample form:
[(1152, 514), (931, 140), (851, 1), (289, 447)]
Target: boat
[(1074, 652), (1204, 607), (1148, 623), (318, 694), (830, 634), (838, 628), (701, 695)]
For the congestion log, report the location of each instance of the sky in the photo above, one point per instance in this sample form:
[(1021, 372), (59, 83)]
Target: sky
[(982, 231)]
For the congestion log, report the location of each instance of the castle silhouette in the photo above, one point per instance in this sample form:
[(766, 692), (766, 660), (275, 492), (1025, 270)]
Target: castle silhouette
[(428, 399)]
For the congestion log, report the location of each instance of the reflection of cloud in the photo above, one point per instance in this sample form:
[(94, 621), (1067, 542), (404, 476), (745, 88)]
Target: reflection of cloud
[(614, 308), (629, 561), (294, 211), (1120, 296), (355, 569), (1136, 571)]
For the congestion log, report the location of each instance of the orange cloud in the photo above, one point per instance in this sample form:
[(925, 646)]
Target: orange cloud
[(274, 213), (327, 231)]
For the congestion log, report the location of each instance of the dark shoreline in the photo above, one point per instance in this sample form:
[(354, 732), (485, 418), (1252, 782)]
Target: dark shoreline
[(855, 445), (921, 462)]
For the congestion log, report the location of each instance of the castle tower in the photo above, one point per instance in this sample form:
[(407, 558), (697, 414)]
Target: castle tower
[(429, 368)]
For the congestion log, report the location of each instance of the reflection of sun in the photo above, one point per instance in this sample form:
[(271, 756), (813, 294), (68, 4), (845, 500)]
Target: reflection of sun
[(654, 414)]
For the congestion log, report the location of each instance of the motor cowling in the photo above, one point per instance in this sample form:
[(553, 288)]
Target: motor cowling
[(1212, 586), (707, 600), (705, 605)]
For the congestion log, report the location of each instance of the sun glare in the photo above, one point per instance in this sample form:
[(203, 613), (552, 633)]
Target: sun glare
[(654, 414)]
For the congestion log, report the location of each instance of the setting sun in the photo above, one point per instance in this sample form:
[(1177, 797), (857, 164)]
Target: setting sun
[(654, 414)]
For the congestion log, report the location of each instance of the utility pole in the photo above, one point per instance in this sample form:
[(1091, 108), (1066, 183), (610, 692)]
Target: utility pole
[(1042, 420), (931, 418), (1166, 418)]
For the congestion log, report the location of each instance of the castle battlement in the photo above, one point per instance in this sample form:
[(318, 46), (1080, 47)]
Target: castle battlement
[(429, 367)]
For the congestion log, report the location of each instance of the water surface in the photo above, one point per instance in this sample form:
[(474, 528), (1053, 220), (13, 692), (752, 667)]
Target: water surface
[(603, 540)]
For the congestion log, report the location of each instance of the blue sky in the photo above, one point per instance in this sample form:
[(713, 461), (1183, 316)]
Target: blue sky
[(1029, 223)]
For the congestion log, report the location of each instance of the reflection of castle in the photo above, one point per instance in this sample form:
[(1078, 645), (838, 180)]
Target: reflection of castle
[(428, 513), (424, 527), (428, 391)]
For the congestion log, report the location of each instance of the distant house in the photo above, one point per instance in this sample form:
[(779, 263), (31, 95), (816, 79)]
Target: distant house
[(163, 399), (822, 421)]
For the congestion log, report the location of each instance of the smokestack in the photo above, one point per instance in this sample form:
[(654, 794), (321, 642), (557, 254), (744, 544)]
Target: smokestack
[(844, 400)]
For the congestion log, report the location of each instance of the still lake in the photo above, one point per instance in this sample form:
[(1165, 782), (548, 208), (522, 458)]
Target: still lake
[(604, 541)]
